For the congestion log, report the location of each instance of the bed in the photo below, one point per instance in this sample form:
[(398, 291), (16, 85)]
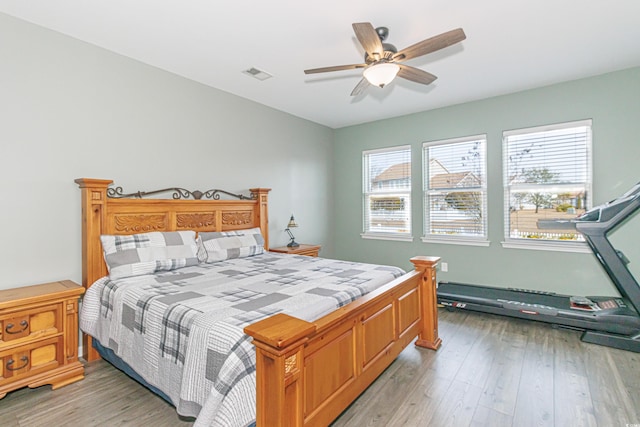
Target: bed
[(300, 364)]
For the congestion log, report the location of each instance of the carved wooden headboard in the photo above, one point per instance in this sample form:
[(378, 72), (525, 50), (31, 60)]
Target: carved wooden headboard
[(107, 211)]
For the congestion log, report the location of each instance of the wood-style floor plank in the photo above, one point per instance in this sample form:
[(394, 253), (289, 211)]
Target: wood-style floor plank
[(572, 395), (535, 404), (612, 400), (477, 365), (491, 371), (501, 390)]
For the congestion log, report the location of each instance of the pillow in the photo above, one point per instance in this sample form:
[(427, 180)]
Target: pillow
[(232, 244), (138, 254)]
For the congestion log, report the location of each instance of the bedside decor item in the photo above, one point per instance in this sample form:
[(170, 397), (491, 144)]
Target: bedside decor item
[(292, 224)]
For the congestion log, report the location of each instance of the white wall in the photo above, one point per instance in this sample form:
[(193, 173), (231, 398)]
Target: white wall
[(69, 109)]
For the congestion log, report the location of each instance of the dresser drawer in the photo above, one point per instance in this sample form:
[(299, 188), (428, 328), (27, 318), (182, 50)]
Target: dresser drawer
[(25, 325), (31, 359)]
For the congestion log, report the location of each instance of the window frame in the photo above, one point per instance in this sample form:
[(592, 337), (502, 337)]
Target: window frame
[(470, 240), (544, 244), (367, 233)]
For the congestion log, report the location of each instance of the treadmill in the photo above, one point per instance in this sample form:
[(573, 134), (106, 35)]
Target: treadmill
[(609, 321)]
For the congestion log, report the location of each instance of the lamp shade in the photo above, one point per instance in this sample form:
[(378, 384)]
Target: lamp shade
[(292, 223), (381, 74)]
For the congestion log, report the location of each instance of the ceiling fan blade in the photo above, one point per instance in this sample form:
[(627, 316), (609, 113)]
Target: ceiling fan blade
[(369, 39), (360, 87), (431, 45), (415, 75), (335, 68)]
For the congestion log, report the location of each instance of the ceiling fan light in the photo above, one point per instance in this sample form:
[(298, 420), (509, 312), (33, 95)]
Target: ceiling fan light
[(381, 74)]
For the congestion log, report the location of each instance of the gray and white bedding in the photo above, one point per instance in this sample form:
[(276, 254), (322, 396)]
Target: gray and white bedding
[(182, 330)]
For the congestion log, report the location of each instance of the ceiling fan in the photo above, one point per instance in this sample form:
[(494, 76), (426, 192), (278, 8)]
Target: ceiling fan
[(383, 62)]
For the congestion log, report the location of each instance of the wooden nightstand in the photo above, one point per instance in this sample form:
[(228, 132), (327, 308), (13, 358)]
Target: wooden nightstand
[(310, 250), (39, 336)]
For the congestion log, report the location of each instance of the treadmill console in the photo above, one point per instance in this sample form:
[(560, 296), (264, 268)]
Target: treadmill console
[(609, 210)]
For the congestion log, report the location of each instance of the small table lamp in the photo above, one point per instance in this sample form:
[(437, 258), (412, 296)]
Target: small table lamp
[(292, 224)]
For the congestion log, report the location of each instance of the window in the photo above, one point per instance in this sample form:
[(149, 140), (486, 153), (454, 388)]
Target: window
[(455, 190), (387, 193), (547, 182)]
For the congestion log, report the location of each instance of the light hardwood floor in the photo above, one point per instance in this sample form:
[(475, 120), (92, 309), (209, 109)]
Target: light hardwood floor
[(490, 371)]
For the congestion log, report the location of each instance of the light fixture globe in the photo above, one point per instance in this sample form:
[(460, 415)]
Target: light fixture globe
[(381, 74)]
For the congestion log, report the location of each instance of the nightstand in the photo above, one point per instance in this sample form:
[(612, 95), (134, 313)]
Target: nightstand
[(310, 250), (39, 336)]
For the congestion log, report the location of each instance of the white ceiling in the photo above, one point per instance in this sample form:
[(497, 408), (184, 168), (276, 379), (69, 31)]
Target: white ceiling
[(511, 45)]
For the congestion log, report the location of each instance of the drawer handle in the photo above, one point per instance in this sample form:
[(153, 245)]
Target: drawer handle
[(24, 359), (24, 325)]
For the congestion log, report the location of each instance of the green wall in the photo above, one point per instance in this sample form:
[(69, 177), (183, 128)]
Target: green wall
[(611, 100)]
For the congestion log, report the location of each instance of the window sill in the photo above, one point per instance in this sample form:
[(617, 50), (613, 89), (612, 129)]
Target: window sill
[(575, 247), (456, 241), (387, 236)]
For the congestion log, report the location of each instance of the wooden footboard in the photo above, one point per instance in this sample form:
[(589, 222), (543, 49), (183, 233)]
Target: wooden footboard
[(309, 372)]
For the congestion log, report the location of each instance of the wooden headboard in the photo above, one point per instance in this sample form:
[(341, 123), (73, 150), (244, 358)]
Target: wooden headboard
[(107, 210)]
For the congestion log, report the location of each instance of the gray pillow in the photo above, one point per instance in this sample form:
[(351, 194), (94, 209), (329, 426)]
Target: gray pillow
[(146, 253), (222, 245)]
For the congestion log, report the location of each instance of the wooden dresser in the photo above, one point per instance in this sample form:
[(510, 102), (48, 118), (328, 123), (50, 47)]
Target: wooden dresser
[(39, 336), (310, 250)]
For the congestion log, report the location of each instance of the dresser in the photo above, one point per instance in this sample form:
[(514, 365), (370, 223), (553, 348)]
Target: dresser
[(39, 336)]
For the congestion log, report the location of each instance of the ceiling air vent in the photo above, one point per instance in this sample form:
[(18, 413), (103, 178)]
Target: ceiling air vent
[(258, 74)]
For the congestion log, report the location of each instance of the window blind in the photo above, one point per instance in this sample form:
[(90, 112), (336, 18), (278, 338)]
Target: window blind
[(547, 180), (387, 191), (455, 189)]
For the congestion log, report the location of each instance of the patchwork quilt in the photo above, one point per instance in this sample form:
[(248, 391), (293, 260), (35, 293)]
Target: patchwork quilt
[(182, 330)]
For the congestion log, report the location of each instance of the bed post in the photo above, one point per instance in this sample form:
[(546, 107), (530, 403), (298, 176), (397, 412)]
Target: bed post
[(94, 195), (279, 342), (262, 195), (428, 338)]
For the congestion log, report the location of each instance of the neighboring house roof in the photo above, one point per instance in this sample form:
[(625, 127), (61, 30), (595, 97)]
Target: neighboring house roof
[(394, 172), (403, 171), (440, 180), (453, 180), (435, 167)]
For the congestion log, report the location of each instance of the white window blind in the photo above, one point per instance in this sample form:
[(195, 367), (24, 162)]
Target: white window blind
[(547, 181), (387, 193), (455, 189)]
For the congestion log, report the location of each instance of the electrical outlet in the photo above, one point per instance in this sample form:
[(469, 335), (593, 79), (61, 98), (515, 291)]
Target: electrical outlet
[(444, 267)]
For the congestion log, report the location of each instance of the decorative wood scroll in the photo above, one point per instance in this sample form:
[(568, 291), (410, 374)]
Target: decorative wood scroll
[(195, 221), (131, 224), (236, 218)]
